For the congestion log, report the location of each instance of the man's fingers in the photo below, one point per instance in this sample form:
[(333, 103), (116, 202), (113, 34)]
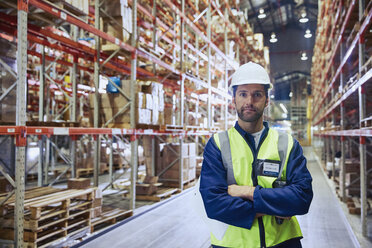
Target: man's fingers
[(284, 218)]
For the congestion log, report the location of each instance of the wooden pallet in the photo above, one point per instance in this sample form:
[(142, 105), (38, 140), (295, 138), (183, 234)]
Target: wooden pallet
[(51, 217), (186, 184), (367, 122), (31, 193), (109, 217), (353, 204), (84, 172), (161, 194), (173, 127), (32, 177), (52, 124), (63, 200), (189, 184), (68, 7), (147, 126), (122, 184)]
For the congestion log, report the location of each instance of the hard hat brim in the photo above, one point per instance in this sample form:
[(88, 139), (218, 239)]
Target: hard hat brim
[(231, 86)]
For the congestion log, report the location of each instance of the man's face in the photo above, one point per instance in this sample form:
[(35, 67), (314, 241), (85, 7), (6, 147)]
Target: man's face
[(250, 102)]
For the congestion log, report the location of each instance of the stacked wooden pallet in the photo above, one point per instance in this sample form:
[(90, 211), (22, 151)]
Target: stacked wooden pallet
[(51, 215), (354, 205), (109, 217)]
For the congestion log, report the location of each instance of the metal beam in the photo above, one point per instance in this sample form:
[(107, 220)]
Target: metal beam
[(209, 114), (226, 69), (41, 117), (133, 78), (20, 120), (182, 91), (271, 14), (96, 94), (362, 140), (8, 91)]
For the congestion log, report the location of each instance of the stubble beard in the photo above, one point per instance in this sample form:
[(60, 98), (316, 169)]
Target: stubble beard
[(253, 118)]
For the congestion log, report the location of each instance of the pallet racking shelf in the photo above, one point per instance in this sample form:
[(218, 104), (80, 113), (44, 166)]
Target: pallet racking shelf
[(341, 82), (191, 39)]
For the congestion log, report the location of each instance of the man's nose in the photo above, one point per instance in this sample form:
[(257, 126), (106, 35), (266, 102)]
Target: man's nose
[(249, 100)]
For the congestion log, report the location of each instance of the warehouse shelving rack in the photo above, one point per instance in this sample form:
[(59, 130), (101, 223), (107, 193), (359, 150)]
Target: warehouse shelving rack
[(341, 81), (27, 32)]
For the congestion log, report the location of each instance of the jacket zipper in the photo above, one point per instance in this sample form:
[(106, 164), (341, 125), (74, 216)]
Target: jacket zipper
[(255, 183)]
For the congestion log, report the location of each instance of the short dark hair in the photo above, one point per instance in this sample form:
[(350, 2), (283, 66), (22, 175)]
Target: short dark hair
[(266, 87)]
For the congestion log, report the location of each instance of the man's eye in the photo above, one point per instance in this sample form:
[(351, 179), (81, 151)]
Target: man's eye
[(243, 94), (257, 94)]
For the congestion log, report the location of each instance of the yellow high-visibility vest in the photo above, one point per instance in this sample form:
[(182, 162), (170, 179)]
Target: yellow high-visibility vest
[(242, 158)]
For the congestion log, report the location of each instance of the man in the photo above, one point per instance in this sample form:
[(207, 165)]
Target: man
[(254, 178)]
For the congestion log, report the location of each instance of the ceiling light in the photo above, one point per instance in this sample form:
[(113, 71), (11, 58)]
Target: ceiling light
[(284, 115), (273, 38), (261, 14), (308, 34), (304, 56), (290, 94), (303, 18)]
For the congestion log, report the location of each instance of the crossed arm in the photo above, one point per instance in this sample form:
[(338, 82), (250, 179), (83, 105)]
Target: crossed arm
[(239, 205)]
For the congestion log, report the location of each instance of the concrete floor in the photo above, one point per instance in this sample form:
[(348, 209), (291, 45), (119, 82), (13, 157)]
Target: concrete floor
[(175, 224)]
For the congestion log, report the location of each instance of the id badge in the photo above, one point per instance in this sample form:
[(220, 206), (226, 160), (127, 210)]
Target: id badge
[(271, 168)]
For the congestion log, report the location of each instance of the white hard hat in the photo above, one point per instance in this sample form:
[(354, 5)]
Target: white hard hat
[(250, 73)]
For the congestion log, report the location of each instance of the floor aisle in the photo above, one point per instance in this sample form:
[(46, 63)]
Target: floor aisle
[(175, 224)]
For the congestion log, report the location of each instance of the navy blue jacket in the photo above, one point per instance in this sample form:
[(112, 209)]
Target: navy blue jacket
[(293, 199)]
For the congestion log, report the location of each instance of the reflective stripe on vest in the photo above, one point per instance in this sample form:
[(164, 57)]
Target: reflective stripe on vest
[(227, 160), (238, 159)]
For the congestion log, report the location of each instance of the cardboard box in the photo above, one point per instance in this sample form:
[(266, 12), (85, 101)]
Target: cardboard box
[(149, 101), (161, 118), (113, 7), (192, 149), (185, 149), (161, 101), (186, 163), (168, 116), (192, 162), (78, 183), (153, 88), (144, 116), (150, 179), (102, 168), (146, 189), (192, 173), (108, 113), (155, 117), (141, 100)]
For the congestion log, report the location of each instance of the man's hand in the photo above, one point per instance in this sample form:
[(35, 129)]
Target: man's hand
[(245, 192), (284, 218)]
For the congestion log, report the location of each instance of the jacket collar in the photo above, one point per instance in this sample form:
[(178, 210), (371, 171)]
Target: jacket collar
[(247, 136)]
